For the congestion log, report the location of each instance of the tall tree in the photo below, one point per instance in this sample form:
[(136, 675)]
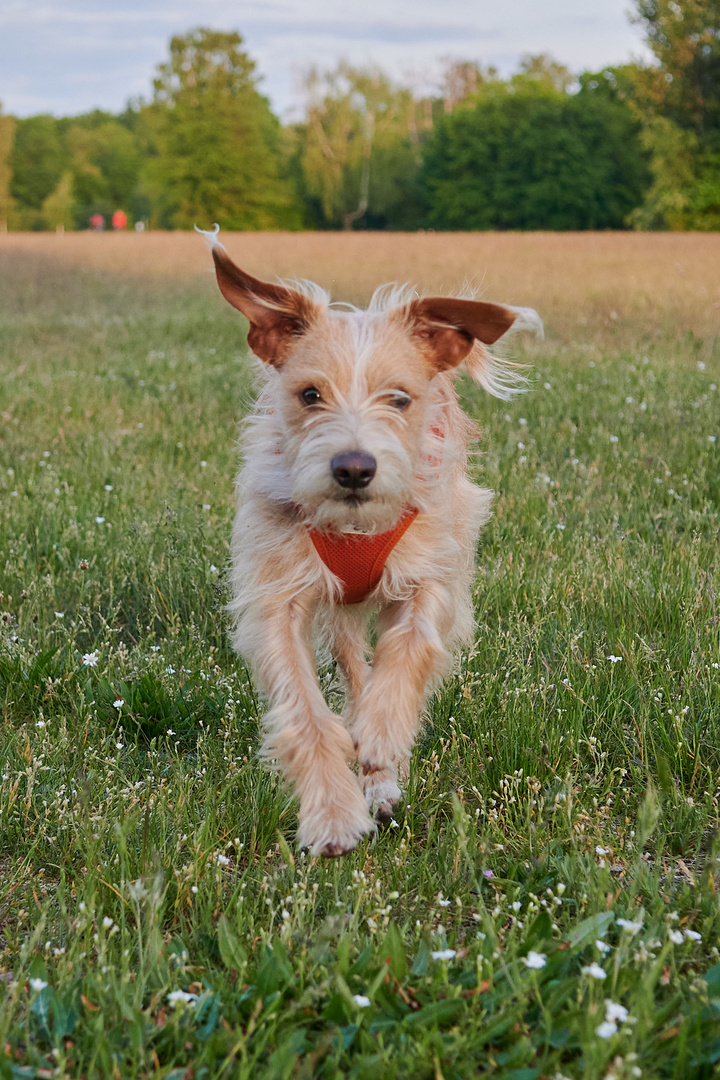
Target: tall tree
[(526, 156), (105, 167), (37, 161), (360, 147), (679, 100), (212, 139), (684, 35), (7, 135), (57, 209)]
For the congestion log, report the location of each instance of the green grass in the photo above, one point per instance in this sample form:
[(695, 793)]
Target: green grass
[(554, 791)]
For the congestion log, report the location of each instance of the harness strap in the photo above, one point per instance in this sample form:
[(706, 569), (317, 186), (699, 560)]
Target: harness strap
[(359, 560)]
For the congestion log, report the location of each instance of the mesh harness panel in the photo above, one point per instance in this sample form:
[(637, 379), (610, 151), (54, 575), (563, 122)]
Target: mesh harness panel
[(359, 560)]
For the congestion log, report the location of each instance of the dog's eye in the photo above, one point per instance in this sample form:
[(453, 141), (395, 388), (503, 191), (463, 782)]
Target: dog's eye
[(311, 396), (400, 400)]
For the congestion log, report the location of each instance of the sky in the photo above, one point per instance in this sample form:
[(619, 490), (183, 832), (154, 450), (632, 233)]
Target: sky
[(69, 56)]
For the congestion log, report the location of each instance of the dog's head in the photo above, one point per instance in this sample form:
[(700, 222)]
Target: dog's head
[(352, 389)]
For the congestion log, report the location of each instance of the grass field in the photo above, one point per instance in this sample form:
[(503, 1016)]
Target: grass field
[(547, 904)]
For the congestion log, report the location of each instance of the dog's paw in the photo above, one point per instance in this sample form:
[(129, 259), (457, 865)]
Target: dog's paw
[(334, 828), (333, 838), (382, 793)]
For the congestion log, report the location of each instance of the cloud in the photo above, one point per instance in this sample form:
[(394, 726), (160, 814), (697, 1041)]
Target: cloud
[(69, 56)]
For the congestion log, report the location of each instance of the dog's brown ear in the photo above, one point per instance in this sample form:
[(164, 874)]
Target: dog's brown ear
[(450, 326), (277, 315)]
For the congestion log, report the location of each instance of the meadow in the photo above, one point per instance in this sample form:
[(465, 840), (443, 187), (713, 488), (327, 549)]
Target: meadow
[(546, 904)]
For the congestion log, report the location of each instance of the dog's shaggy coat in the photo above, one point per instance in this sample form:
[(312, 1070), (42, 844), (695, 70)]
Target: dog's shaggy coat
[(376, 387)]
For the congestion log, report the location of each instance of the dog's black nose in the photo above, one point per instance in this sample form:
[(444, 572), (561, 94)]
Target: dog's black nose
[(353, 469)]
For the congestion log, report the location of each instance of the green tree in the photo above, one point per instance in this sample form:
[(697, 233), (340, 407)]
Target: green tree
[(212, 141), (57, 209), (672, 165), (678, 99), (526, 156), (37, 161), (105, 163), (543, 71), (684, 35), (7, 135), (360, 152)]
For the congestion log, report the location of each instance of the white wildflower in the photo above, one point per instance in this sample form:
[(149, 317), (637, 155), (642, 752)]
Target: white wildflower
[(629, 925), (615, 1013), (181, 997), (361, 1001), (37, 985), (443, 954), (614, 659), (90, 659), (607, 1029), (99, 520), (692, 935), (594, 971), (137, 890), (676, 936), (107, 922), (118, 703), (535, 960), (602, 946)]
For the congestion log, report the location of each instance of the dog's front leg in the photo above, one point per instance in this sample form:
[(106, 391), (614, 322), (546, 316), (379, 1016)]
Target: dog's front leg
[(311, 745), (410, 652)]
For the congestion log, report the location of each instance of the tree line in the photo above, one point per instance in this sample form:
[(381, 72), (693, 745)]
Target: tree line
[(630, 146)]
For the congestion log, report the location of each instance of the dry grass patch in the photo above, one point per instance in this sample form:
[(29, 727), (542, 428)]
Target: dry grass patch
[(586, 285)]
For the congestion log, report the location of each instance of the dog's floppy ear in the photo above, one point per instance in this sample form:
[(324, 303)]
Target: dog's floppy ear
[(450, 326), (277, 315)]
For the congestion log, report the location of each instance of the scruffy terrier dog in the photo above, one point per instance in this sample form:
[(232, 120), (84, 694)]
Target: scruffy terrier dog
[(354, 499)]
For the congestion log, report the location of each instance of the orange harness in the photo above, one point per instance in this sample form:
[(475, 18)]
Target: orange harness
[(359, 560)]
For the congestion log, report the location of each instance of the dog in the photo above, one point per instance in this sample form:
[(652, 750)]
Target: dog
[(354, 500)]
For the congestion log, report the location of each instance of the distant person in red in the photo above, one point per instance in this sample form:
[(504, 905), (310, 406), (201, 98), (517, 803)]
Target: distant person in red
[(119, 220), (97, 222)]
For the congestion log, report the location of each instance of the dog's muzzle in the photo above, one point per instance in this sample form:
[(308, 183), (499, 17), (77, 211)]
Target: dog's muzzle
[(353, 469)]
